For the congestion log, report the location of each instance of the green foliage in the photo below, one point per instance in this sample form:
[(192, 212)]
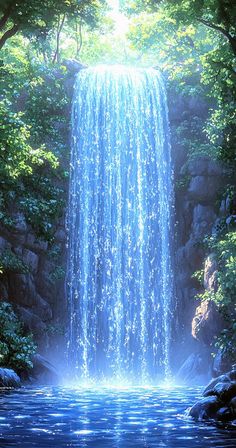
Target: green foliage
[(10, 262), (37, 19), (16, 348), (182, 183), (224, 247), (194, 43), (34, 103)]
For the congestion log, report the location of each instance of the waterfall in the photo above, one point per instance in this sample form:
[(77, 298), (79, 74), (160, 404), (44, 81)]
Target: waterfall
[(119, 226)]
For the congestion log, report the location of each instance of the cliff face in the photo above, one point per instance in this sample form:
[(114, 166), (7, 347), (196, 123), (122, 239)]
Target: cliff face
[(39, 296), (198, 184)]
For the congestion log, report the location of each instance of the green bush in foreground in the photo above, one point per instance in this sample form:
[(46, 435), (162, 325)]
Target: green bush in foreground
[(16, 349)]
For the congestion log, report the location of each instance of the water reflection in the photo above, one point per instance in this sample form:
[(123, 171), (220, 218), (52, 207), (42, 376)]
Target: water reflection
[(105, 418)]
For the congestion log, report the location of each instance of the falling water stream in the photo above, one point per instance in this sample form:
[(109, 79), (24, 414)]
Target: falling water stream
[(119, 225)]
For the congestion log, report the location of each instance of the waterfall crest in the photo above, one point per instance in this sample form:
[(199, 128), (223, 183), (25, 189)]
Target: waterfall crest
[(119, 225)]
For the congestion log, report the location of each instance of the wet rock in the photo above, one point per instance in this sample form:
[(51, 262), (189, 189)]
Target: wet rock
[(206, 408), (43, 371), (212, 383), (219, 392), (9, 378), (224, 414), (232, 405), (225, 391), (73, 66)]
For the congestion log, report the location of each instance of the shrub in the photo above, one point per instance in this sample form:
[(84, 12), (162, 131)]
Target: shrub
[(16, 348)]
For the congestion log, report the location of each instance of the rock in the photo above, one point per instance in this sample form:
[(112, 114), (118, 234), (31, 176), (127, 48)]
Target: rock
[(9, 378), (73, 66), (3, 292), (203, 219), (42, 308), (3, 244), (232, 374), (194, 370), (207, 322), (60, 235), (206, 408), (224, 391), (20, 225), (222, 364), (35, 244), (43, 371), (211, 385), (210, 273), (203, 188), (30, 259), (31, 321), (232, 405), (224, 414)]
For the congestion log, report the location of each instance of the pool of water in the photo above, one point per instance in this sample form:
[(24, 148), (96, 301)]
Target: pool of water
[(106, 417)]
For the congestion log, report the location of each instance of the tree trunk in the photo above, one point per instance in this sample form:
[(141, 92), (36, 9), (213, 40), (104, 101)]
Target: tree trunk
[(79, 38), (59, 29)]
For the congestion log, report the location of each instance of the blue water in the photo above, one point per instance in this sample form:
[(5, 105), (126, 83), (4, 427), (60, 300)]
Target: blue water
[(119, 226), (105, 418)]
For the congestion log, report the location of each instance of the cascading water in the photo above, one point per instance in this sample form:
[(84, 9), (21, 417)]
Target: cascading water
[(119, 224)]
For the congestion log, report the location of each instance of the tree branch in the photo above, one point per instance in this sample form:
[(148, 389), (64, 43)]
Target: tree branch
[(222, 30), (9, 33)]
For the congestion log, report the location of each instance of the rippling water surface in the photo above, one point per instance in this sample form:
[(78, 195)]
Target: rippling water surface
[(107, 418)]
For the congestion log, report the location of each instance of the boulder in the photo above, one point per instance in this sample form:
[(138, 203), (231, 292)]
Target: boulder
[(194, 370), (206, 408), (203, 188), (224, 414), (9, 378), (219, 400), (212, 383), (232, 405), (43, 371), (73, 66), (225, 391)]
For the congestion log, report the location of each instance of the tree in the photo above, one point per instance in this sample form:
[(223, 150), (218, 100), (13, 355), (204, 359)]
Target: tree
[(36, 18), (219, 15)]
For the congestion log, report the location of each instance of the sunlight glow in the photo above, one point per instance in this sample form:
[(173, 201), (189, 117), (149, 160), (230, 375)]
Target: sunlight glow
[(120, 21)]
